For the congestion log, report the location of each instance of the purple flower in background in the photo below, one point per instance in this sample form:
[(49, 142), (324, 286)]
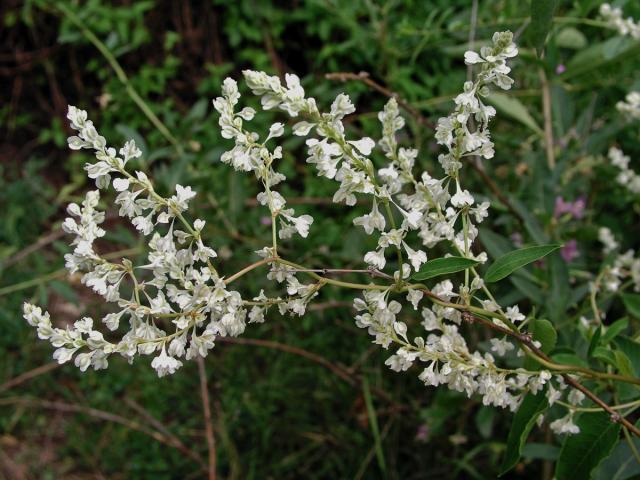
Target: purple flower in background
[(516, 238), (422, 433), (575, 209), (570, 251), (560, 68), (265, 220)]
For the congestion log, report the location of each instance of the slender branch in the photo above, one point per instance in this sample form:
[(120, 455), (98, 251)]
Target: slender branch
[(122, 76), (106, 416), (337, 271), (34, 247), (631, 444), (495, 189), (527, 341), (247, 269), (338, 283), (206, 410), (548, 125), (622, 406), (154, 422), (365, 78), (61, 273), (41, 370)]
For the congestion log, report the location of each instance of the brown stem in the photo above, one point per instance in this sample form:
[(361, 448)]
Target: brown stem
[(206, 410), (247, 269), (155, 423), (364, 78), (341, 372), (106, 416), (475, 164), (527, 341), (46, 368)]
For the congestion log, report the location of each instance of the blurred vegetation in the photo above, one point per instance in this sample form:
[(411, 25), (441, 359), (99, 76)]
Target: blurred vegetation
[(278, 414)]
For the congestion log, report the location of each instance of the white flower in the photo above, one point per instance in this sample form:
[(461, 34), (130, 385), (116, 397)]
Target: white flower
[(565, 425), (414, 296), (276, 130), (575, 397), (501, 346), (553, 395), (624, 26), (120, 184), (371, 221), (462, 198), (164, 364), (430, 321), (471, 58), (416, 257), (64, 354), (631, 107), (181, 198), (607, 239), (342, 106), (513, 314), (302, 128), (247, 113), (364, 145), (302, 224), (130, 151), (376, 259)]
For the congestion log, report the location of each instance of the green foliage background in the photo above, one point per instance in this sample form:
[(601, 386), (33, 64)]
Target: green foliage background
[(276, 413)]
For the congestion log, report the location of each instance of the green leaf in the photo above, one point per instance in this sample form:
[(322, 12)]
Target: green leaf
[(615, 329), (444, 266), (541, 17), (632, 303), (623, 363), (595, 339), (631, 349), (612, 50), (569, 359), (605, 355), (621, 464), (570, 37), (581, 453), (529, 289), (541, 451), (559, 291), (541, 330), (497, 245), (523, 421), (484, 420), (514, 108), (531, 223), (508, 263)]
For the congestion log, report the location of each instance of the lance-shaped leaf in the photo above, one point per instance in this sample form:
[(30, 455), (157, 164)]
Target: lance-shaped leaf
[(523, 421), (512, 261), (444, 266), (541, 18), (582, 452)]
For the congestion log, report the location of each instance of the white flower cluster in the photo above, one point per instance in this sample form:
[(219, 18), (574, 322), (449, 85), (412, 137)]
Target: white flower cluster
[(627, 177), (250, 156), (624, 26), (431, 209), (624, 266), (565, 424), (444, 350), (176, 304), (453, 131), (183, 287), (630, 106)]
